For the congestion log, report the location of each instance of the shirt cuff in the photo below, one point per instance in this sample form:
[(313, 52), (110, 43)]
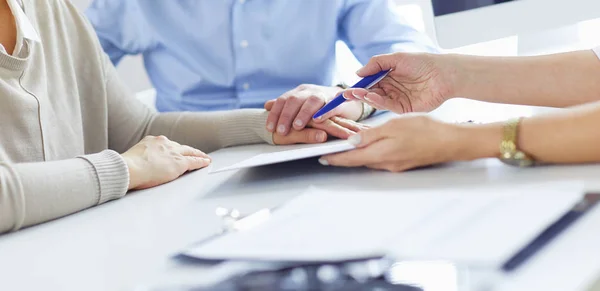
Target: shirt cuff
[(112, 173)]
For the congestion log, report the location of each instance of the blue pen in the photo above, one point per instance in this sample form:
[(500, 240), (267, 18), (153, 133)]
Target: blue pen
[(365, 83)]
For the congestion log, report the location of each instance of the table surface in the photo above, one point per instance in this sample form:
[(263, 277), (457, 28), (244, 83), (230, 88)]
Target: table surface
[(132, 241)]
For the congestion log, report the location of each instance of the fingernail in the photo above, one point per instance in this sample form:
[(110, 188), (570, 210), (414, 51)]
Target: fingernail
[(323, 162), (355, 140), (270, 126), (321, 136), (369, 99), (298, 122), (356, 96), (281, 129), (207, 160)]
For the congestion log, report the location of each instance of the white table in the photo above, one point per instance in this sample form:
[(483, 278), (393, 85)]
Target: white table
[(124, 243)]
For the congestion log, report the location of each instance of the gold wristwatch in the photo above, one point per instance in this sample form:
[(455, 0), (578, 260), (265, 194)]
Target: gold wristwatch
[(509, 148)]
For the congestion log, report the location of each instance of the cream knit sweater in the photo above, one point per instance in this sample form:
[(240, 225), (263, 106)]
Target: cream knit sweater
[(65, 117)]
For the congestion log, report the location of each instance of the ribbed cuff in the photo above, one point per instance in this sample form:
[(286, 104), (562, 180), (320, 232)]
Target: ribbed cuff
[(12, 63), (246, 126), (112, 173), (597, 51)]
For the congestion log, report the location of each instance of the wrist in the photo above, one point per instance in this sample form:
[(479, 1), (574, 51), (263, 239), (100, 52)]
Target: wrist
[(131, 168), (478, 141), (457, 68)]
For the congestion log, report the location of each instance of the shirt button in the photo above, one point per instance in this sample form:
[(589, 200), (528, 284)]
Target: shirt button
[(244, 44), (246, 86)]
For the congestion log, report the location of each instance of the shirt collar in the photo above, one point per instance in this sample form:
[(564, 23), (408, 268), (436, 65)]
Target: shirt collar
[(24, 25)]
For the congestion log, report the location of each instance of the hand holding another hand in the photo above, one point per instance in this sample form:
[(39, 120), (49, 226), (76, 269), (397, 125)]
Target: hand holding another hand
[(318, 132), (294, 109)]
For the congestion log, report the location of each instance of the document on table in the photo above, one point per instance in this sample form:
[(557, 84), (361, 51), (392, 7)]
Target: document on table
[(481, 226), (290, 153)]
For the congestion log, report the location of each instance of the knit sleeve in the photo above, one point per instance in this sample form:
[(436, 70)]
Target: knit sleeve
[(32, 193), (129, 121)]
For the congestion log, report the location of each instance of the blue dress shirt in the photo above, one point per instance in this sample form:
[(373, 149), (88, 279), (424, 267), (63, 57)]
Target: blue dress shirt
[(228, 54)]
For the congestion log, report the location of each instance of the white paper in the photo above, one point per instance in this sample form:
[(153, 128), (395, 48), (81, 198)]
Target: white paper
[(292, 153), (483, 226)]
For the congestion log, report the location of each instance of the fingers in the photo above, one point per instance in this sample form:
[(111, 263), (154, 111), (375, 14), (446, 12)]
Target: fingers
[(394, 167), (377, 101), (192, 152), (269, 104), (195, 163), (334, 129), (273, 117), (308, 109), (373, 154), (380, 63), (307, 135), (349, 124), (288, 113), (194, 159), (373, 97), (370, 136), (355, 94)]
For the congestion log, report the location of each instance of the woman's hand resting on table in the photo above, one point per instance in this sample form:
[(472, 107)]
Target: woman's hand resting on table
[(157, 160)]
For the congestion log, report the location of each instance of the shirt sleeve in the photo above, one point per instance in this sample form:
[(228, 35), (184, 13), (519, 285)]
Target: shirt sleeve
[(373, 27), (121, 27)]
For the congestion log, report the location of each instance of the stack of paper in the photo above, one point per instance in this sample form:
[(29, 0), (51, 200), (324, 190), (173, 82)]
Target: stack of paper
[(480, 226)]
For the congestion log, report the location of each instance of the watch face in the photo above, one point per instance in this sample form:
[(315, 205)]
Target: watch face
[(511, 162), (519, 160)]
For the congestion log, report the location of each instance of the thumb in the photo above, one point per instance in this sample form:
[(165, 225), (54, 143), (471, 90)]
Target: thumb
[(369, 136), (379, 63)]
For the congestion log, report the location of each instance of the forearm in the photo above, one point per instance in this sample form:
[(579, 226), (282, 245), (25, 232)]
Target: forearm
[(569, 136), (559, 80), (33, 193), (210, 131)]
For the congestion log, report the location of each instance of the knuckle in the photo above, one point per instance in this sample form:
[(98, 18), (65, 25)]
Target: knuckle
[(279, 103), (305, 112), (162, 148), (310, 135), (285, 116), (293, 98), (315, 99)]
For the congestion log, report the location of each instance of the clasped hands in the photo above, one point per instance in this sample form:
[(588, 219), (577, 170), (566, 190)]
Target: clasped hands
[(417, 83)]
